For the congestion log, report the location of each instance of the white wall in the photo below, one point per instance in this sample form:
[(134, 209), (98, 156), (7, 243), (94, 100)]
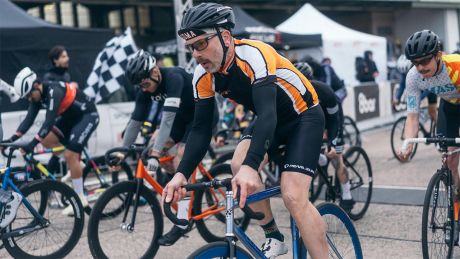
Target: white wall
[(443, 22)]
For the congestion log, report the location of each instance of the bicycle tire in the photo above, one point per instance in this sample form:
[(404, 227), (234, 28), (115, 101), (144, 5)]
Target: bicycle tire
[(399, 124), (223, 159), (209, 233), (97, 189), (329, 211), (350, 129), (102, 244), (316, 186), (436, 180), (14, 245), (357, 179), (218, 250)]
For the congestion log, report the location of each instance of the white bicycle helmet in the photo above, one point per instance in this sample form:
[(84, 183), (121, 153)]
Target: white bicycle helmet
[(403, 64), (24, 81)]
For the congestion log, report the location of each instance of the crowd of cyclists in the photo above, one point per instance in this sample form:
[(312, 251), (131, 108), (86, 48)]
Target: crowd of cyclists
[(283, 104)]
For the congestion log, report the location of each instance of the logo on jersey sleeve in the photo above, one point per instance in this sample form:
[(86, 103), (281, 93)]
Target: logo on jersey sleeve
[(411, 102)]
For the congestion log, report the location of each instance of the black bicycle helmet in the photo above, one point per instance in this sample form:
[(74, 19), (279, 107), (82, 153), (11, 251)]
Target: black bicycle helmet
[(421, 44), (205, 16), (139, 67), (305, 69)]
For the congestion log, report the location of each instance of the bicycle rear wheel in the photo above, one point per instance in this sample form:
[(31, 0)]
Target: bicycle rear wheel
[(218, 250), (351, 134), (437, 218), (110, 237), (317, 184), (96, 183), (360, 178), (343, 241), (397, 137), (63, 232), (212, 228)]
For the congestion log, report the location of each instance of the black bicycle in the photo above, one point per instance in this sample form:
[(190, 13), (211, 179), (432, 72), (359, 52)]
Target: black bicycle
[(359, 173), (397, 132), (351, 134), (439, 220)]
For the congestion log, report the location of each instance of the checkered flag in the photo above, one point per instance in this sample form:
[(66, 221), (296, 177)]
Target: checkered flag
[(108, 71)]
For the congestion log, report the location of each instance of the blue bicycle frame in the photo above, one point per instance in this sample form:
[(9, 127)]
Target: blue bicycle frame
[(253, 248), (7, 182)]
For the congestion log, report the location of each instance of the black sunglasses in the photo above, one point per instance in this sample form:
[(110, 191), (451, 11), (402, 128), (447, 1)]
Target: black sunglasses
[(200, 44), (422, 62)]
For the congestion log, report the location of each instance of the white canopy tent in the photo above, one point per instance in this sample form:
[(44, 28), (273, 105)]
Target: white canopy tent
[(340, 43)]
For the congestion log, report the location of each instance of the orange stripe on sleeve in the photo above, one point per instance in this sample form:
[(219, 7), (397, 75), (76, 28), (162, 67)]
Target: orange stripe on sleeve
[(204, 87)]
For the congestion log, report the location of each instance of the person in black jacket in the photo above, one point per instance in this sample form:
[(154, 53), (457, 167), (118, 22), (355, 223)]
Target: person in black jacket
[(366, 68), (60, 65)]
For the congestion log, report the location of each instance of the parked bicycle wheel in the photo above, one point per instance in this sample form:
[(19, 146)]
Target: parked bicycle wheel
[(437, 218), (212, 228), (55, 240), (96, 183), (111, 234), (341, 235), (397, 137), (351, 134), (360, 179)]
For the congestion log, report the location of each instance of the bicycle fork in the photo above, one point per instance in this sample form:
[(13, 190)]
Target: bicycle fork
[(130, 227)]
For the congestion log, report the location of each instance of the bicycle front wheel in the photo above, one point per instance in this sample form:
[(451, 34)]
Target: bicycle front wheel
[(342, 239), (60, 236), (212, 227), (437, 218), (97, 180), (397, 137), (111, 234), (360, 178), (218, 250)]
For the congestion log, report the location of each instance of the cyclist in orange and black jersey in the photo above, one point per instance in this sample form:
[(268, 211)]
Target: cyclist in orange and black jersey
[(253, 74)]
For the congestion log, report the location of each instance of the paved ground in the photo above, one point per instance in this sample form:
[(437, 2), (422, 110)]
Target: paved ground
[(390, 229)]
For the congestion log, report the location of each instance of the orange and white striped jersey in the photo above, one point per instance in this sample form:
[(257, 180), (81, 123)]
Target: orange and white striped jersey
[(255, 63)]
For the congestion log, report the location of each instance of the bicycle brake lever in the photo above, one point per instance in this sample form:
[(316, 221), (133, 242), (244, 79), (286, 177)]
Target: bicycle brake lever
[(248, 211)]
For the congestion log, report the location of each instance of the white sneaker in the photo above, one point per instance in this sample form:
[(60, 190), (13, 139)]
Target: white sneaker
[(68, 211), (273, 248), (9, 212)]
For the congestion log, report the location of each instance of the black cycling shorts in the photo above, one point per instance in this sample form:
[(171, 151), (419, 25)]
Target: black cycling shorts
[(448, 119), (303, 138), (432, 98), (75, 133)]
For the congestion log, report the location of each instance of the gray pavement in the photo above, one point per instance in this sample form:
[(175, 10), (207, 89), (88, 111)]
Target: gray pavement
[(390, 229)]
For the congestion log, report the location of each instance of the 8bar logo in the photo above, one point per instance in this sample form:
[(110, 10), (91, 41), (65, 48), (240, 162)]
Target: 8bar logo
[(367, 102)]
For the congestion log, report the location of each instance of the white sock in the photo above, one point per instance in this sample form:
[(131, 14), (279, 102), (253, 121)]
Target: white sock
[(346, 194), (78, 185), (182, 210)]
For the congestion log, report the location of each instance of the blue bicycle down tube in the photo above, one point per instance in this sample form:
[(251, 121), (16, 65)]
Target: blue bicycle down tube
[(5, 177), (270, 192), (295, 239), (246, 241)]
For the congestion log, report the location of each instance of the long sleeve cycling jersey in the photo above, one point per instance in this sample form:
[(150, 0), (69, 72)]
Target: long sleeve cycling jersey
[(175, 95), (257, 77), (330, 106), (59, 99)]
